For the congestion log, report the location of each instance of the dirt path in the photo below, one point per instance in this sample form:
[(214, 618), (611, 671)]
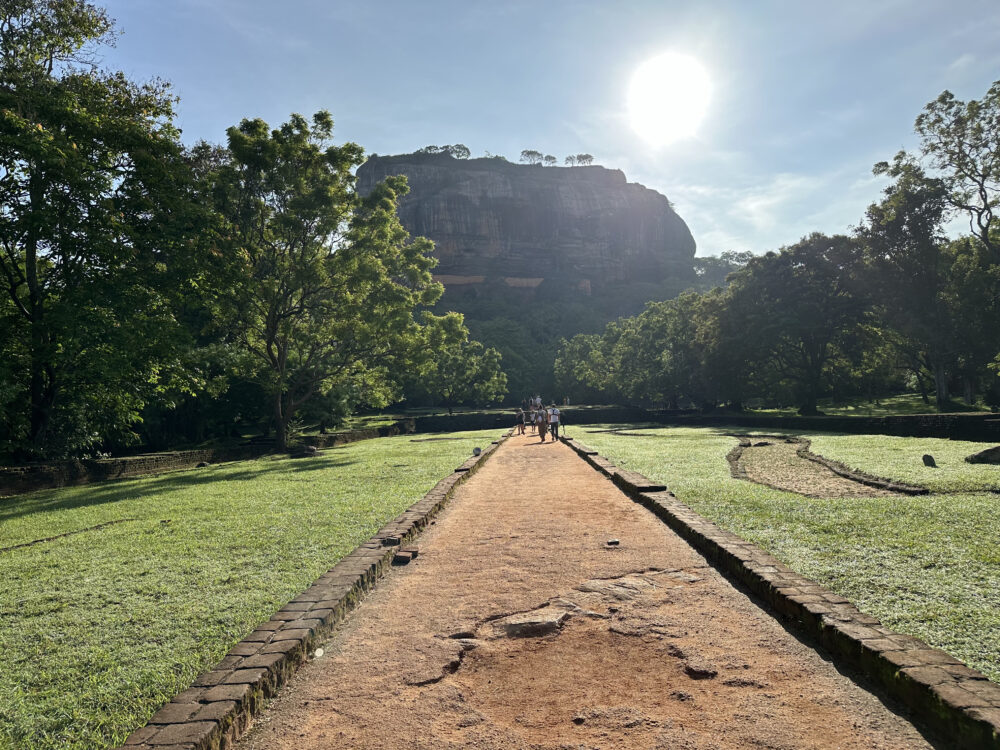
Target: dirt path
[(777, 464), (519, 627)]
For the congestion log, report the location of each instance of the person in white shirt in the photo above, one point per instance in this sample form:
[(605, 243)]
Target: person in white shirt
[(554, 422)]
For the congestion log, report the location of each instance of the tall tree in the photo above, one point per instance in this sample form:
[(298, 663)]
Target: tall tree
[(458, 151), (530, 156), (324, 282), (972, 295), (579, 369), (961, 140), (905, 245), (91, 174), (800, 305), (455, 370)]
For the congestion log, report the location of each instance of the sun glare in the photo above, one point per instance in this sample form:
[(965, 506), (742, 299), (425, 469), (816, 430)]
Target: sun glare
[(668, 98)]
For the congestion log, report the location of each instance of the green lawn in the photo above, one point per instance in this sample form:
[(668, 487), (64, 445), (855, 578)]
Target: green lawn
[(100, 628), (926, 565), (902, 459)]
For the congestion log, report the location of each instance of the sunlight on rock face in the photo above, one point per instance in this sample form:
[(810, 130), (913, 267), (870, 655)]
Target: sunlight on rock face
[(668, 98)]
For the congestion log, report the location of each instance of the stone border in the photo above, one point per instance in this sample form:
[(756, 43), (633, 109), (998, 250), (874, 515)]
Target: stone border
[(869, 480), (859, 476), (954, 701), (982, 427), (17, 480), (218, 707)]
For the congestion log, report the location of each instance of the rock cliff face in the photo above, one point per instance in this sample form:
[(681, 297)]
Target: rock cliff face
[(492, 221)]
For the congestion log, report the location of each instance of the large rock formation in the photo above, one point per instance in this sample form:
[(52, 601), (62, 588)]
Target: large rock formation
[(493, 222)]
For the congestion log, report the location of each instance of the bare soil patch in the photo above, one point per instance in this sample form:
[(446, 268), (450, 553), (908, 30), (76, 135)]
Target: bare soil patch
[(776, 462), (518, 626)]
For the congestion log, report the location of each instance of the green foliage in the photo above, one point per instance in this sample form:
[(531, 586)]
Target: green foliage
[(457, 151), (801, 307), (786, 323), (580, 369), (962, 142), (455, 370), (713, 271), (94, 215), (526, 329), (530, 156), (940, 297), (103, 627), (321, 284)]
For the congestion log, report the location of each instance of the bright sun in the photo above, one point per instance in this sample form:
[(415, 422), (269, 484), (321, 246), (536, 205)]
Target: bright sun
[(668, 98)]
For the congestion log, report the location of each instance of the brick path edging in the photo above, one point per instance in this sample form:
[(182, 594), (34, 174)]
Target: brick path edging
[(218, 707), (940, 692)]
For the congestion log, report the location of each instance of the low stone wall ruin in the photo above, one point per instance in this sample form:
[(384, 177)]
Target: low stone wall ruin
[(16, 480)]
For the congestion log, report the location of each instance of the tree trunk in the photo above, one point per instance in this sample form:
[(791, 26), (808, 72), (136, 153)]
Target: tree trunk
[(921, 385), (968, 390), (280, 424), (809, 403), (40, 396), (809, 407), (941, 394)]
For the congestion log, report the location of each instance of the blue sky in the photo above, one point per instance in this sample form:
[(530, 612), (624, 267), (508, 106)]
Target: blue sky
[(807, 95)]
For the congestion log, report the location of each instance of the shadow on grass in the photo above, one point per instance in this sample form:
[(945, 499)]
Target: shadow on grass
[(114, 491)]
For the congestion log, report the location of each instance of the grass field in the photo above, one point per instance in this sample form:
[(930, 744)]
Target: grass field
[(99, 628), (902, 459), (925, 565)]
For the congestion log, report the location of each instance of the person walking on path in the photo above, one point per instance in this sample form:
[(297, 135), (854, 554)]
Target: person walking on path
[(519, 421), (542, 419), (554, 422)]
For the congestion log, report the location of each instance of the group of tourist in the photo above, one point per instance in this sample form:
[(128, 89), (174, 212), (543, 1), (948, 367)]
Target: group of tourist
[(540, 419)]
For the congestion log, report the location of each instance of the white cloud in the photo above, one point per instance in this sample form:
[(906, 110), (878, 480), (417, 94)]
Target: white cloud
[(765, 206), (962, 62)]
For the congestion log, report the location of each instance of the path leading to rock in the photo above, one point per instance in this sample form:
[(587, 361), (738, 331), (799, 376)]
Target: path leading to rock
[(777, 464), (518, 626)]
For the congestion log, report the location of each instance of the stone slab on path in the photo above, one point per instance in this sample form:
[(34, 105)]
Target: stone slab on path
[(518, 626)]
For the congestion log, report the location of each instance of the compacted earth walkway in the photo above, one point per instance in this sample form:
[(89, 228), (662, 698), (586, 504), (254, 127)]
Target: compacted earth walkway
[(519, 626)]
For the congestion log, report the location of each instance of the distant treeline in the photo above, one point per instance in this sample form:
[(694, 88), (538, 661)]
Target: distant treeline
[(895, 305), (528, 156), (158, 294)]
